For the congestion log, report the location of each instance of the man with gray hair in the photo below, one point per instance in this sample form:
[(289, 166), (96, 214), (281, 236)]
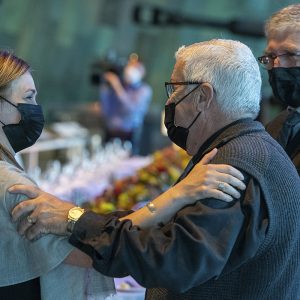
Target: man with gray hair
[(282, 60), (245, 249)]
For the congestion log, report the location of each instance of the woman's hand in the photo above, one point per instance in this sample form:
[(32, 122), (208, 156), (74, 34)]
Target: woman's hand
[(206, 180)]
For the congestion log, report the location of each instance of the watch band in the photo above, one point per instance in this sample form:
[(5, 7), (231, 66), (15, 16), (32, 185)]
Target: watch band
[(70, 226)]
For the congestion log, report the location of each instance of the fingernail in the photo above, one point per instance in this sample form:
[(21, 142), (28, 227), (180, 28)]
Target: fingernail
[(230, 198), (242, 176)]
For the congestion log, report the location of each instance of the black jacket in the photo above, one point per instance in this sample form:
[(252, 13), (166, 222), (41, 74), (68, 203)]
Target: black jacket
[(285, 128)]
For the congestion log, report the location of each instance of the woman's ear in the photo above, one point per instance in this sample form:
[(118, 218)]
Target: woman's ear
[(206, 95)]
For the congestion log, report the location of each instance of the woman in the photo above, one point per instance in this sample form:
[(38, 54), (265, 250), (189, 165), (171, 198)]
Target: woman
[(50, 268), (31, 270)]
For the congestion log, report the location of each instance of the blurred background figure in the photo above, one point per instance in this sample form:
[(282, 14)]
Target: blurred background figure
[(124, 100), (282, 60)]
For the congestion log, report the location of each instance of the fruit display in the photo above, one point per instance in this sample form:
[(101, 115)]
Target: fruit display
[(150, 181)]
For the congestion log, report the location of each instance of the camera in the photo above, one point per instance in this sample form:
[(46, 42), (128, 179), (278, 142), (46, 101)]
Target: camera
[(108, 64)]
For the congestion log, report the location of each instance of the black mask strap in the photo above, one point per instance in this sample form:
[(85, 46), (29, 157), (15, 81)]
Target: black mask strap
[(8, 101), (187, 95), (194, 120), (183, 99)]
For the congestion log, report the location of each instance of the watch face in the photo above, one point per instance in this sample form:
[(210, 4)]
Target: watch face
[(75, 213)]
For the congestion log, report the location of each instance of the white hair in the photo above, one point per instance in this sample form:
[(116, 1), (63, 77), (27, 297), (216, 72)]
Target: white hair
[(286, 18), (230, 67)]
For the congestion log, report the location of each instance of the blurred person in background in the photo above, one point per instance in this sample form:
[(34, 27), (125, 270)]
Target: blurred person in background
[(282, 60), (124, 103), (245, 249), (49, 268)]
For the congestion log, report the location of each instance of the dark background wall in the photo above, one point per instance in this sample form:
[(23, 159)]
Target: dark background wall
[(62, 38)]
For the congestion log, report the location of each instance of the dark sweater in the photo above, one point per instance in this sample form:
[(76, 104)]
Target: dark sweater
[(274, 272), (248, 249)]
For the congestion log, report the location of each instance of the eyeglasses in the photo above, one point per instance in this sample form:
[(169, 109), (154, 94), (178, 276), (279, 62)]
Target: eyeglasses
[(286, 60), (171, 86)]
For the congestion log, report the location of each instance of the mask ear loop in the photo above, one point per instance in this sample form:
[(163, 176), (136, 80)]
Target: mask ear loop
[(9, 103), (183, 99), (188, 94), (195, 119)]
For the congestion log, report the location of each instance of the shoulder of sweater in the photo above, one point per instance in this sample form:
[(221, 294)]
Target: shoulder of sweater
[(252, 151)]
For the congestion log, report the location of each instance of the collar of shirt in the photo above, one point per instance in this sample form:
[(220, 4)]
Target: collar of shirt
[(219, 138), (289, 108)]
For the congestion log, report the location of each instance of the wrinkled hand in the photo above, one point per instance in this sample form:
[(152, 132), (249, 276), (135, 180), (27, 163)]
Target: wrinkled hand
[(206, 180), (45, 213)]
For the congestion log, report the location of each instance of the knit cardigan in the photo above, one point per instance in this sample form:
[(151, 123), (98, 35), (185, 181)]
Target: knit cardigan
[(274, 272)]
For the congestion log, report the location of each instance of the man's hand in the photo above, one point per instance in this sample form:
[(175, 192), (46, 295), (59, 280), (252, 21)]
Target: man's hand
[(45, 213)]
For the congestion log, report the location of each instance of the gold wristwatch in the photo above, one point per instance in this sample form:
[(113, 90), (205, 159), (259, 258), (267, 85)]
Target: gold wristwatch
[(74, 214)]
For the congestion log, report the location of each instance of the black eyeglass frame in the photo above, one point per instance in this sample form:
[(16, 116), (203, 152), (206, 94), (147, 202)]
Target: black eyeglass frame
[(269, 58), (169, 84)]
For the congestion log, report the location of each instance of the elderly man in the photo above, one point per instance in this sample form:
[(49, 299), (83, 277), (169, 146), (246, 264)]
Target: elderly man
[(245, 249), (282, 60)]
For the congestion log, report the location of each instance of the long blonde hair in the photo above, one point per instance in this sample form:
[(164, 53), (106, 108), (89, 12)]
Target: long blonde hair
[(11, 67)]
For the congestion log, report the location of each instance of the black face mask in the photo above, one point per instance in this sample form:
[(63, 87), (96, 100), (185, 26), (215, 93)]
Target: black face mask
[(285, 83), (177, 134), (28, 130)]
